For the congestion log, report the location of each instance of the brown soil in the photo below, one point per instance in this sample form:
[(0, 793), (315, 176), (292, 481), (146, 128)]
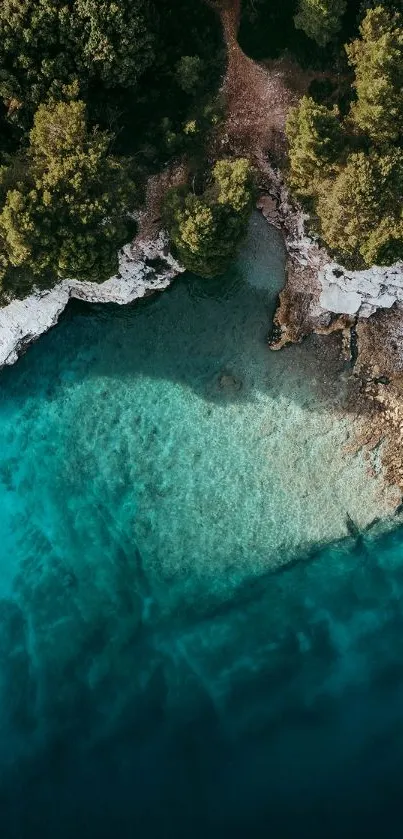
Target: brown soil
[(157, 186), (257, 97)]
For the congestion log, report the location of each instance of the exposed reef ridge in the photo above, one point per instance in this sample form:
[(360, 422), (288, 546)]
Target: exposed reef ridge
[(144, 267)]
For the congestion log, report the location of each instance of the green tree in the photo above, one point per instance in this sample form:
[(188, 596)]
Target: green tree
[(232, 185), (320, 19), (37, 54), (47, 44), (118, 44), (315, 137), (207, 230), (189, 70), (67, 213), (377, 58), (360, 211)]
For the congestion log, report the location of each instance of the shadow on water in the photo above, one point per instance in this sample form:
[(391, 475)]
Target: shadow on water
[(303, 736), (208, 335), (268, 708)]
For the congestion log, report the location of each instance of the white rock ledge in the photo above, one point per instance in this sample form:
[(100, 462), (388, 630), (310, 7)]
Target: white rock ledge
[(23, 321), (360, 292), (330, 287)]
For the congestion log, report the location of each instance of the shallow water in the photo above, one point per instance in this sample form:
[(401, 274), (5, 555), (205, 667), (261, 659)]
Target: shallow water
[(165, 670)]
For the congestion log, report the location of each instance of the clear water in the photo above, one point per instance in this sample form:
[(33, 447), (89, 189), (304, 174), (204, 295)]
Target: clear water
[(185, 649)]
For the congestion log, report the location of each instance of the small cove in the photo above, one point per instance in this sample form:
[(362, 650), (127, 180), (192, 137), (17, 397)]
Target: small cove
[(159, 467)]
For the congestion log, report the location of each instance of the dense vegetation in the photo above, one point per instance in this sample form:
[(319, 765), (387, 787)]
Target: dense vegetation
[(206, 229), (320, 19), (95, 95), (348, 166)]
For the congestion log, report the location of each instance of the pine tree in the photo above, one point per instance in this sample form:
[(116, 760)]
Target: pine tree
[(377, 58), (360, 211), (66, 215), (320, 19), (206, 230), (315, 139)]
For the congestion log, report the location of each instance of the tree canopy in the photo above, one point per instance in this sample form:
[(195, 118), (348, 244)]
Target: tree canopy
[(36, 51), (315, 136), (377, 59), (360, 211), (320, 19), (206, 230), (46, 44), (118, 43), (350, 169), (66, 214)]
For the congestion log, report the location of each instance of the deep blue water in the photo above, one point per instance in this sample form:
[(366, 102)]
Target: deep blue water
[(190, 642), (291, 720)]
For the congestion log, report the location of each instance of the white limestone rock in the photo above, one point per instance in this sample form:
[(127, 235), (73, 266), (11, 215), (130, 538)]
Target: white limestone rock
[(336, 299), (360, 292), (23, 321)]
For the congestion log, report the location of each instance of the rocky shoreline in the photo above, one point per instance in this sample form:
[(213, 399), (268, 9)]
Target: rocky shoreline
[(319, 296), (146, 266), (366, 307)]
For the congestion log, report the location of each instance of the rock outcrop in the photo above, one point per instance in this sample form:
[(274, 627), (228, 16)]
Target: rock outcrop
[(144, 267), (366, 306), (360, 293), (320, 295)]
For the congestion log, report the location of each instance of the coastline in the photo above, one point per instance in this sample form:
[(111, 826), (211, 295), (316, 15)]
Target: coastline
[(366, 307), (145, 266), (319, 297)]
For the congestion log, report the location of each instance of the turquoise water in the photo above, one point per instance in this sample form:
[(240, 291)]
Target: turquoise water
[(190, 642)]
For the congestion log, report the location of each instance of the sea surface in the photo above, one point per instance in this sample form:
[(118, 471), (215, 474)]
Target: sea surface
[(201, 579)]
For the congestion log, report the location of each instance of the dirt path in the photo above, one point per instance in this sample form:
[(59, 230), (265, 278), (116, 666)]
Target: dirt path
[(257, 97)]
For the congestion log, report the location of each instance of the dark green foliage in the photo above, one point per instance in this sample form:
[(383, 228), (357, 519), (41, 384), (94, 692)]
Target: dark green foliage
[(316, 140), (206, 230), (118, 43), (189, 70), (320, 19), (65, 214), (46, 44), (268, 30), (377, 59), (37, 51)]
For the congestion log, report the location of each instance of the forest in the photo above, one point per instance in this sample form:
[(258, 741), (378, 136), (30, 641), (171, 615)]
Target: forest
[(97, 95)]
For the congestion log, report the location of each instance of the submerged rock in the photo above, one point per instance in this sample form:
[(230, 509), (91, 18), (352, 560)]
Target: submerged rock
[(229, 382)]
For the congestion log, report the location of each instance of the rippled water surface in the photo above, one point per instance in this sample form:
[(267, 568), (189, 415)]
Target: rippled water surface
[(185, 649)]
